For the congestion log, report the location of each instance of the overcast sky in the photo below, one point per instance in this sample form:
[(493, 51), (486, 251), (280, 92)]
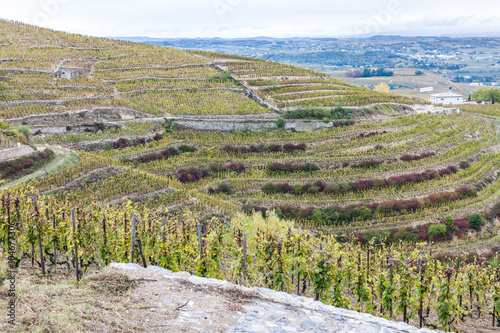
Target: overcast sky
[(250, 18)]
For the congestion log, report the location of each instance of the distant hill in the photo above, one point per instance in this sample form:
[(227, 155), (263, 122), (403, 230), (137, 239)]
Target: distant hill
[(46, 71), (477, 57)]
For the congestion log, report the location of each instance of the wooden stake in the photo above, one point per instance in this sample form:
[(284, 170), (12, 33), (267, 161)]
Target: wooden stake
[(200, 245), (75, 243), (163, 230), (42, 259), (144, 263), (134, 221), (390, 280), (244, 254), (38, 229), (367, 264), (298, 274), (54, 226), (421, 305), (105, 237)]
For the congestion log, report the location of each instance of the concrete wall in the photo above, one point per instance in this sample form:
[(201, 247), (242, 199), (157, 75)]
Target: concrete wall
[(13, 153)]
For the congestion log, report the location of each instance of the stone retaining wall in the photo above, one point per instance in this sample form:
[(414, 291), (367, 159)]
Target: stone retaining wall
[(248, 124), (230, 117), (73, 118), (230, 125), (13, 153)]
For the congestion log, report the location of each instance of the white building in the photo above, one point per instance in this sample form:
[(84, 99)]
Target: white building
[(447, 98)]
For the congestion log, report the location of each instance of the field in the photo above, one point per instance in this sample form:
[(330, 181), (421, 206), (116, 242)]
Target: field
[(405, 82), (442, 59), (386, 211)]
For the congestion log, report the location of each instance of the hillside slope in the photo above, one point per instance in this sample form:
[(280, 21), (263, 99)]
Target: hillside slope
[(44, 71)]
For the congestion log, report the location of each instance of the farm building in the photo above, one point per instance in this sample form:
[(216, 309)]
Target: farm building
[(447, 98)]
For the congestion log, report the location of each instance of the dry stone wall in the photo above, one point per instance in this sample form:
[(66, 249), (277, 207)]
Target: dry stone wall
[(221, 125), (78, 117), (13, 153)]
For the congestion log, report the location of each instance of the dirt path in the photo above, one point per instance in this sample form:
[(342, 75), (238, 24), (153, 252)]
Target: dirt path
[(63, 156)]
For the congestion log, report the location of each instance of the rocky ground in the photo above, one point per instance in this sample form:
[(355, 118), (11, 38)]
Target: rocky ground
[(180, 302)]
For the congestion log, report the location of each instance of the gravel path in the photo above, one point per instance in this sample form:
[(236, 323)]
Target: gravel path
[(180, 302), (61, 157)]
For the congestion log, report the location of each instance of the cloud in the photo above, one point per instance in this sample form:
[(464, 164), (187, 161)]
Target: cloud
[(244, 18)]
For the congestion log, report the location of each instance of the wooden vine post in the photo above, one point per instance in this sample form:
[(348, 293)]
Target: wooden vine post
[(494, 310), (132, 247), (199, 240), (73, 224), (144, 262), (421, 304), (105, 238), (125, 231), (54, 226), (39, 231), (367, 265), (7, 206), (163, 230), (391, 277), (298, 272), (200, 246), (244, 255)]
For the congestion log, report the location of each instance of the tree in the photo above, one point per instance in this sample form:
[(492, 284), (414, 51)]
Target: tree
[(419, 73), (464, 165), (4, 126), (280, 123), (496, 210), (437, 229), (475, 220), (449, 223), (486, 94), (354, 73), (382, 87)]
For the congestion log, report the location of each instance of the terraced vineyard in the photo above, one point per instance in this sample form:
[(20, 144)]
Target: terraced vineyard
[(440, 166), (68, 72), (394, 216)]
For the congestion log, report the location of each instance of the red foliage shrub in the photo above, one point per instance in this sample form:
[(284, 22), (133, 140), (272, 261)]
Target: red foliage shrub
[(367, 164), (320, 184), (363, 185), (407, 157), (367, 135), (236, 167), (461, 224), (18, 167), (189, 175), (285, 188), (289, 148), (121, 143)]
